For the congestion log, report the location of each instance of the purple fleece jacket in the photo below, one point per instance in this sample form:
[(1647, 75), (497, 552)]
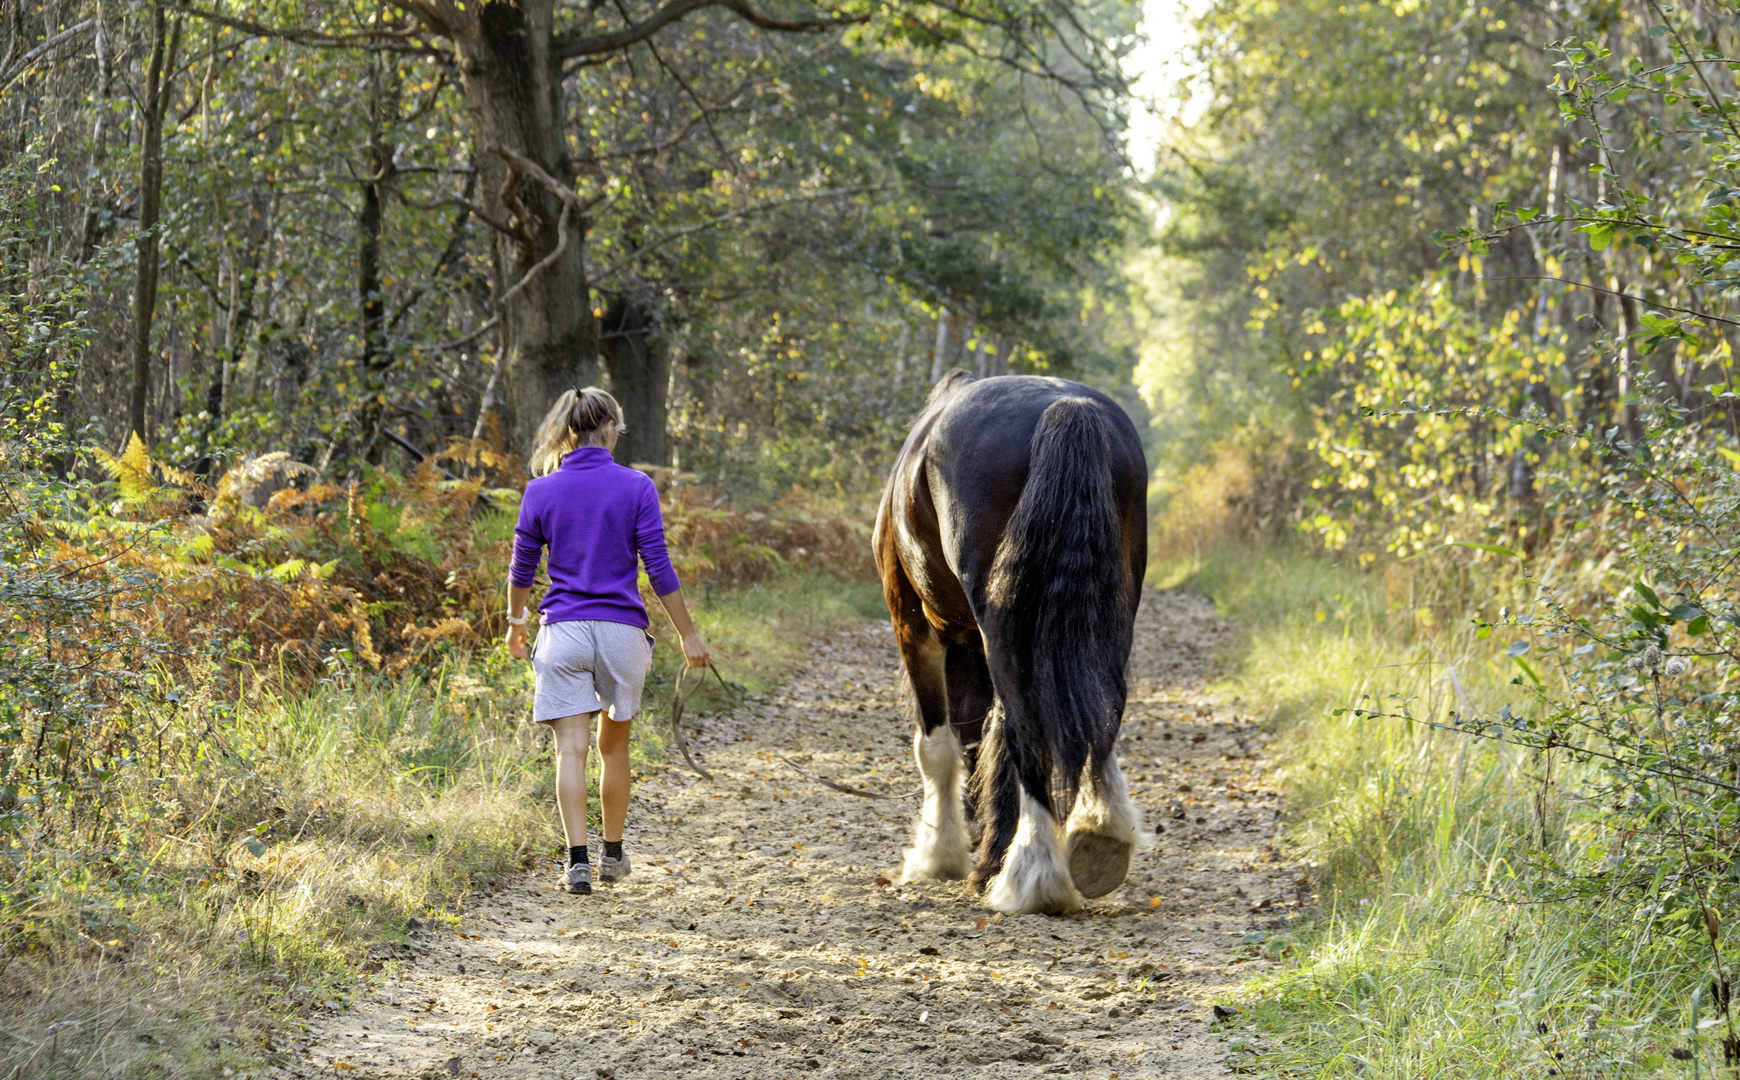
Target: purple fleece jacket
[(595, 516)]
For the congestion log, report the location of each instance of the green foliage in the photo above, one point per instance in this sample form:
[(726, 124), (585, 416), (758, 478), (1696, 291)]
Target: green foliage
[(861, 192), (1631, 682), (1441, 939), (1336, 139), (73, 658), (1414, 436), (1514, 777), (794, 211)]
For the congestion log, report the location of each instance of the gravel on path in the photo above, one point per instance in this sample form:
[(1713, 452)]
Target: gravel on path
[(761, 934)]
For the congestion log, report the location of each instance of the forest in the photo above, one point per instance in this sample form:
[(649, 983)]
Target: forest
[(1425, 311)]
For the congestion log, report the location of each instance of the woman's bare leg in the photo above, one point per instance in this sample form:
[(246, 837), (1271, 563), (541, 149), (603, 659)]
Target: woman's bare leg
[(572, 736), (613, 786)]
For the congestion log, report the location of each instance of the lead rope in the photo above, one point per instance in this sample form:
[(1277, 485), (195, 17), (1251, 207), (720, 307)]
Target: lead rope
[(679, 701), (862, 794)]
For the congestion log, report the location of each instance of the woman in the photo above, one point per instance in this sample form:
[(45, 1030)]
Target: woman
[(592, 653)]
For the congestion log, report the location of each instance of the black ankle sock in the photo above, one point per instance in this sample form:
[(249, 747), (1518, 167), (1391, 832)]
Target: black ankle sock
[(613, 849), (577, 855)]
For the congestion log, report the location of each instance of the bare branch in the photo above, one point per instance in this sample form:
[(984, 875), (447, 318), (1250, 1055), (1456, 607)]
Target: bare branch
[(468, 338), (546, 261), (31, 57), (569, 45), (424, 12), (570, 202), (448, 255), (316, 37), (1644, 300), (705, 114)]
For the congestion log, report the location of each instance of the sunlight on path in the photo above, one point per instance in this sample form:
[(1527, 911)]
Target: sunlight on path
[(760, 935)]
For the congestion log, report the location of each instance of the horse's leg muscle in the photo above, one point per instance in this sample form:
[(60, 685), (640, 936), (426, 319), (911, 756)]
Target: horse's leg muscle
[(971, 694), (1103, 830), (940, 848), (1033, 878)]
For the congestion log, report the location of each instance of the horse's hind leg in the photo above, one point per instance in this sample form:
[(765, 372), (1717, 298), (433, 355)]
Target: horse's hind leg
[(939, 848), (1021, 862), (1103, 830)]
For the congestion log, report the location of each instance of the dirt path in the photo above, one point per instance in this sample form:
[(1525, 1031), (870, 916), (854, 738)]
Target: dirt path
[(759, 935)]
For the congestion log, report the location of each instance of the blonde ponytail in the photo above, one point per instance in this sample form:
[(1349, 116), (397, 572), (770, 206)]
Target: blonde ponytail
[(577, 419)]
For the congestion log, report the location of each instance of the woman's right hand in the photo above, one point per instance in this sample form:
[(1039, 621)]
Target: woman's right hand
[(516, 642), (695, 651)]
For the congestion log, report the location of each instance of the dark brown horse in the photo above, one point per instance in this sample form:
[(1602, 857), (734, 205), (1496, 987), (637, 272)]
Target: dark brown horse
[(1011, 542)]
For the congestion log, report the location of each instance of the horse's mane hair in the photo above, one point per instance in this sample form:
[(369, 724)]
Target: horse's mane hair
[(947, 385)]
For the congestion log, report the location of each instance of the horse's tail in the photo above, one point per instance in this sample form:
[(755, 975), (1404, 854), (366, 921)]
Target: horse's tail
[(1058, 624)]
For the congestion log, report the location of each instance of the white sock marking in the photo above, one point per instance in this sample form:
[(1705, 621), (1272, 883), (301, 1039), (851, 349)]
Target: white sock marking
[(1107, 810), (1034, 877), (940, 848)]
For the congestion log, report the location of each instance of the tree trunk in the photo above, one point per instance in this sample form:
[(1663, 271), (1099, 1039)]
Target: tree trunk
[(371, 304), (939, 355), (1630, 422), (158, 80), (96, 201), (238, 322), (637, 360), (512, 90)]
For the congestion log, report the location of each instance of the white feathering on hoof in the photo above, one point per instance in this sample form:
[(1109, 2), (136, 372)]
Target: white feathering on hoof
[(1033, 878), (940, 848), (1103, 830), (1106, 809)]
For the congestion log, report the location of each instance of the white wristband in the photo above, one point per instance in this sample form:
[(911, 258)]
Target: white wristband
[(521, 621)]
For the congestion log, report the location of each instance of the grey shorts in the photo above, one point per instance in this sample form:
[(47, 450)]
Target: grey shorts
[(590, 665)]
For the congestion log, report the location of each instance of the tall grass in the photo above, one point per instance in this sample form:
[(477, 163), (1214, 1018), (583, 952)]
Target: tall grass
[(277, 870), (1428, 953)]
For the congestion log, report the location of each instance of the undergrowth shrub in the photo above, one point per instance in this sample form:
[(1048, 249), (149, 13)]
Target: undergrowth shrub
[(1625, 695), (170, 600)]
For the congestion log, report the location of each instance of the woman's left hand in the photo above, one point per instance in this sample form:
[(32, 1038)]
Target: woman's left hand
[(695, 651), (516, 642)]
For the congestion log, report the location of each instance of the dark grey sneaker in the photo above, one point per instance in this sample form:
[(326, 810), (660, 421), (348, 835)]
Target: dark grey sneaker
[(578, 879), (612, 870)]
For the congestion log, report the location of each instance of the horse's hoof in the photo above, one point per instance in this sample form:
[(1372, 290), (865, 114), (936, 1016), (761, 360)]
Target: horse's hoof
[(935, 865), (1098, 864)]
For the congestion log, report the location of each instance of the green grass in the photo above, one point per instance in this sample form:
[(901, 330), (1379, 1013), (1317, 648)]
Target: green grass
[(276, 869), (1425, 956)]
